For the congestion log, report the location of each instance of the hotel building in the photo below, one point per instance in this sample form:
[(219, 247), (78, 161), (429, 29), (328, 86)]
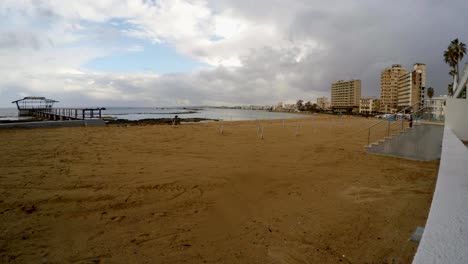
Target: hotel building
[(345, 95), (389, 79)]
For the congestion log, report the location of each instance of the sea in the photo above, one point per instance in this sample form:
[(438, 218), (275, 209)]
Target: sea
[(138, 113)]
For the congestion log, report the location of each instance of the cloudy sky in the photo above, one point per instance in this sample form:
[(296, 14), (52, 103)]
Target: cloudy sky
[(221, 52)]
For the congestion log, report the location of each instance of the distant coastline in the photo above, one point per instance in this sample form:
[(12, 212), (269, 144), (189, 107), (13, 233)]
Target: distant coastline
[(196, 112)]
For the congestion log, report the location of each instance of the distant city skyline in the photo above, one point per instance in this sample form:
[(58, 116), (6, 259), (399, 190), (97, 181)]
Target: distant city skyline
[(182, 53)]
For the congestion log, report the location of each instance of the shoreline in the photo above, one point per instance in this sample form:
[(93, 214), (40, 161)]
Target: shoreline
[(154, 121)]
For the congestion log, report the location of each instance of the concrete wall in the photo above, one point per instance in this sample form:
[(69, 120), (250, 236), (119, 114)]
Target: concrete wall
[(456, 117), (422, 142), (445, 237), (49, 124)]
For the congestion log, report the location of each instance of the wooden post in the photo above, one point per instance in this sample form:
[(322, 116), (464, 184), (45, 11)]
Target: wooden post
[(368, 136), (388, 128)]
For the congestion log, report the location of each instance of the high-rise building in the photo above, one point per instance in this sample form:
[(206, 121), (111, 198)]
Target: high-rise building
[(369, 105), (345, 95), (323, 102), (389, 79), (404, 90), (411, 86)]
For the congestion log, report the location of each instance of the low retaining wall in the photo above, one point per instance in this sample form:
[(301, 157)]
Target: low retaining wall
[(455, 117), (49, 124), (445, 237)]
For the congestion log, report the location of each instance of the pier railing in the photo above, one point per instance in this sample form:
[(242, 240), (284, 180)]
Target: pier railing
[(67, 113)]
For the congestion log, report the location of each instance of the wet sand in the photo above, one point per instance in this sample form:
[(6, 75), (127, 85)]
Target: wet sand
[(306, 193)]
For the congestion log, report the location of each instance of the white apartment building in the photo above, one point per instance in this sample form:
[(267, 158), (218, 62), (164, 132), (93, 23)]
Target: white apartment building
[(411, 86), (323, 103), (369, 105)]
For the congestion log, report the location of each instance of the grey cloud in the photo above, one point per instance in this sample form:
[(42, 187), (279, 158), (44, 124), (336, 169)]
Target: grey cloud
[(254, 83), (17, 40), (364, 37)]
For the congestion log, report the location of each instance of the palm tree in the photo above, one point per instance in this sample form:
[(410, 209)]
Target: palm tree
[(454, 54), (449, 58), (453, 73), (430, 92), (460, 51), (450, 89)]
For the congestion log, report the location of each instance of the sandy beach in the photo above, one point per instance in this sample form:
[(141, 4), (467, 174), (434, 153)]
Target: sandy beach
[(306, 193)]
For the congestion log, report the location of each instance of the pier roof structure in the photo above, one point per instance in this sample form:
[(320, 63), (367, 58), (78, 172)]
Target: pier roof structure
[(34, 102)]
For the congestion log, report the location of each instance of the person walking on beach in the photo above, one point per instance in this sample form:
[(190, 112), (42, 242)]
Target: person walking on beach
[(176, 120)]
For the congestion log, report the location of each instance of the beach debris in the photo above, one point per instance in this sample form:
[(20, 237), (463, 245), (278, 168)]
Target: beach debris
[(29, 209)]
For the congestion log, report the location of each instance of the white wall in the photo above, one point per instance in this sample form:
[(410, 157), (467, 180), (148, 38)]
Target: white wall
[(445, 237), (456, 117), (462, 82)]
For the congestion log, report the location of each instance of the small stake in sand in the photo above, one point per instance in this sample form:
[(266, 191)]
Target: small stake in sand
[(221, 127), (261, 131)]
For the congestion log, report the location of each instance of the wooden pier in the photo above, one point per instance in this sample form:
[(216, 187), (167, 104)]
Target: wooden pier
[(68, 113), (42, 107)]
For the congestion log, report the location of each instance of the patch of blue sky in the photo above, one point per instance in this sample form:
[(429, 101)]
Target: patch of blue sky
[(144, 56), (132, 54)]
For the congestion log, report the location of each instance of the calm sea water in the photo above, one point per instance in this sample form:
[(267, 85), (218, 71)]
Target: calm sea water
[(10, 114), (130, 113)]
